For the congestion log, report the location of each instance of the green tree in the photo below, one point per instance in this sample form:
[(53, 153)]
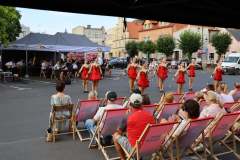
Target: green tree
[(221, 42), (166, 45), (147, 47), (132, 48), (9, 24), (189, 43)]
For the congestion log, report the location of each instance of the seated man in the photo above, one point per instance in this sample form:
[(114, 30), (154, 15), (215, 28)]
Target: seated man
[(111, 96), (133, 124)]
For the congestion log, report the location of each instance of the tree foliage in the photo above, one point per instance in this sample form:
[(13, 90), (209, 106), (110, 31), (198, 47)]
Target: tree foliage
[(147, 47), (189, 42), (132, 48), (9, 24), (166, 45), (221, 42)]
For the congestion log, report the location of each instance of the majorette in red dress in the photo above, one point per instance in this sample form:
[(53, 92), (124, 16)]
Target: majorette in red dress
[(218, 74), (180, 77), (191, 71), (143, 80), (95, 74), (162, 72), (84, 73), (132, 72)]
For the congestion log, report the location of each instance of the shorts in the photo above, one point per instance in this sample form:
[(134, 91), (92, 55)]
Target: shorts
[(123, 141)]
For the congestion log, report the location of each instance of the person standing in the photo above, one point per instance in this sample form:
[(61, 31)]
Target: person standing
[(180, 75), (191, 74), (162, 73), (132, 73), (95, 74), (142, 77), (83, 72), (217, 75)]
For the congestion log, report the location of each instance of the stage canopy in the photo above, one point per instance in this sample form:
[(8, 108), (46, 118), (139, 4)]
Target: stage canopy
[(219, 13), (60, 42)]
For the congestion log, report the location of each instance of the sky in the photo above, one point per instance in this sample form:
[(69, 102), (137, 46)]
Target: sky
[(51, 22)]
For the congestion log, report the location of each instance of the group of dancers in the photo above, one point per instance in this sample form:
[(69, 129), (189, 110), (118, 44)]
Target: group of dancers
[(139, 73)]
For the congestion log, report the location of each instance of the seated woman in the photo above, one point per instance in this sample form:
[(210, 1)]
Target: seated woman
[(167, 98), (199, 96), (235, 93), (213, 107), (222, 93), (59, 99)]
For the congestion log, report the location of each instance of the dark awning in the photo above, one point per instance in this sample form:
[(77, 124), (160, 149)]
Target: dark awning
[(220, 13)]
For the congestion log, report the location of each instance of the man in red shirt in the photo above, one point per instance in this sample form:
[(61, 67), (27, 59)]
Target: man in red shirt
[(133, 124)]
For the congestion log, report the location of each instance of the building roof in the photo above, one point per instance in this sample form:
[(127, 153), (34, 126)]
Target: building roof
[(133, 29), (155, 27), (235, 33)]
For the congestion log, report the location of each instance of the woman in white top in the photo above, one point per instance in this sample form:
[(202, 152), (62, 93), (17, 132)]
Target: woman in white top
[(222, 93), (213, 108)]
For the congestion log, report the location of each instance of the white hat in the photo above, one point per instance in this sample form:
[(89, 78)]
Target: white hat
[(136, 100)]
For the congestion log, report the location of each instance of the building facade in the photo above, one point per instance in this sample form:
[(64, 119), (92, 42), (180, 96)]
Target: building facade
[(97, 35), (118, 36)]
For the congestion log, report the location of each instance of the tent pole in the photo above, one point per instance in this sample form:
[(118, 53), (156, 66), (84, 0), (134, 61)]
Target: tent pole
[(26, 56)]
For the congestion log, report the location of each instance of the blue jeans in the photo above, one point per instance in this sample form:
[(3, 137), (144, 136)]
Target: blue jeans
[(90, 125)]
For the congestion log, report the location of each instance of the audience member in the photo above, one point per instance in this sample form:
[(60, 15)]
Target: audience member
[(213, 107), (133, 125), (235, 93), (222, 92)]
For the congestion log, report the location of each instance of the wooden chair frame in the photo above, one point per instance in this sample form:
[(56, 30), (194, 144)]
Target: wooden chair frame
[(55, 120), (78, 131), (97, 135)]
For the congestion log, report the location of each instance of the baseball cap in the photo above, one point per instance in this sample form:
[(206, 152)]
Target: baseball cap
[(136, 100), (111, 96)]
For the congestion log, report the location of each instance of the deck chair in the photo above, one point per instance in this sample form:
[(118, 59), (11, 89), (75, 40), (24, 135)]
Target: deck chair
[(193, 130), (178, 97), (168, 110), (188, 95), (150, 108), (86, 109), (218, 133), (231, 107), (151, 141), (108, 125), (120, 100), (60, 119)]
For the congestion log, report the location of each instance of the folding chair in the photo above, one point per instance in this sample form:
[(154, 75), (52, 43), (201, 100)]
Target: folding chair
[(57, 119), (168, 110), (150, 108), (151, 140), (230, 107), (86, 110), (120, 100), (188, 95), (192, 131), (178, 97), (218, 134), (108, 125)]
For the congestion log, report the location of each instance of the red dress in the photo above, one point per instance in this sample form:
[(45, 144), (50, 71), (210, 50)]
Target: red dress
[(95, 74), (132, 72), (181, 78), (84, 73), (162, 72), (143, 80), (191, 71), (218, 74)]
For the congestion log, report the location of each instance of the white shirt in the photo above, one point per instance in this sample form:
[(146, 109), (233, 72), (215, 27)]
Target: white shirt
[(100, 61), (44, 65), (211, 110), (101, 110), (224, 98)]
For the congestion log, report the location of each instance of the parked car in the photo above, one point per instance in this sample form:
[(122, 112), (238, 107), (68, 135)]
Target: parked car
[(120, 62), (231, 64)]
